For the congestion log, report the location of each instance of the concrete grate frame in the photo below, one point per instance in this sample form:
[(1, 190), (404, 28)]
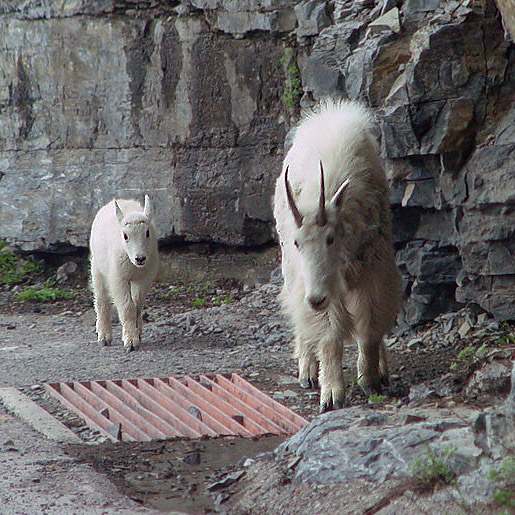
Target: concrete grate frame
[(146, 409)]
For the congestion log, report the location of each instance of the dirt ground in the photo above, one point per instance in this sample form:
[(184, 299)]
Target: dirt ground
[(191, 327)]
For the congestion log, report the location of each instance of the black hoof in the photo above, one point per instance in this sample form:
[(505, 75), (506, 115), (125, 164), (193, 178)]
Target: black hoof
[(337, 405), (325, 406), (130, 348), (308, 383), (369, 389), (105, 343)]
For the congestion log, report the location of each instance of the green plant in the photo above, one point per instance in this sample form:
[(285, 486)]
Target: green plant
[(14, 269), (483, 349), (46, 293), (293, 84), (505, 476), (170, 293), (218, 300), (199, 302), (433, 471), (467, 353), (199, 287), (507, 339)]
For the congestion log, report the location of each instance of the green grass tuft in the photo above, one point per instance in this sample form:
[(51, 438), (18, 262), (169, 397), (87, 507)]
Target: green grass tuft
[(46, 293), (432, 471), (199, 302), (15, 269), (505, 476)]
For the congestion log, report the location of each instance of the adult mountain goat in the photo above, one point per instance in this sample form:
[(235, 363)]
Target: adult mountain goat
[(124, 262), (341, 283)]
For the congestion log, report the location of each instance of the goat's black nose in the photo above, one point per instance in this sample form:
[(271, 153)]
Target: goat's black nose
[(140, 260), (317, 303)]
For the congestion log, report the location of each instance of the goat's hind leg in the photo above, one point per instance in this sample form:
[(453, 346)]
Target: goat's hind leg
[(383, 365), (308, 364), (372, 366)]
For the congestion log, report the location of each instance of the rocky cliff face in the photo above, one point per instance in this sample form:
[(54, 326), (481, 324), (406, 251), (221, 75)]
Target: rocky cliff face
[(191, 101)]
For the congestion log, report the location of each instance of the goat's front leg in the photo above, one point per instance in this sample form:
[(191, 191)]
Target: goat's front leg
[(308, 364), (332, 392), (138, 294), (128, 314), (130, 331), (102, 305)]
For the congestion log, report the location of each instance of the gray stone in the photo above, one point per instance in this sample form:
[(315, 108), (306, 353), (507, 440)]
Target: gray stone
[(508, 17), (415, 10), (389, 22), (66, 271), (341, 446), (312, 17), (422, 392), (491, 378), (387, 5)]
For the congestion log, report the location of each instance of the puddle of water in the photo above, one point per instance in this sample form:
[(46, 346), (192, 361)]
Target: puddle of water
[(174, 475)]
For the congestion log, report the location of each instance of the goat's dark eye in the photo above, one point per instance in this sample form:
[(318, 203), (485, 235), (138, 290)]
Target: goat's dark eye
[(148, 233), (125, 237), (330, 240), (296, 243)]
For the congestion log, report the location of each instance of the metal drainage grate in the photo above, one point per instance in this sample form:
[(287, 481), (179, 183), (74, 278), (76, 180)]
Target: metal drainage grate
[(147, 409)]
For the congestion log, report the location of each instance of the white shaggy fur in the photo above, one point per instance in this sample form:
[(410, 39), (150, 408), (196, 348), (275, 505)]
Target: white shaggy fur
[(341, 283), (124, 262)]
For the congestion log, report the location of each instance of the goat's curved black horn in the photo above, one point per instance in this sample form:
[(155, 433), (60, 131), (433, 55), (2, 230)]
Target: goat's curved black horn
[(321, 215), (296, 214)]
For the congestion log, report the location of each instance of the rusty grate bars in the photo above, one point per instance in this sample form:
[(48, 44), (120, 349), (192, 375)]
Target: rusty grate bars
[(157, 408)]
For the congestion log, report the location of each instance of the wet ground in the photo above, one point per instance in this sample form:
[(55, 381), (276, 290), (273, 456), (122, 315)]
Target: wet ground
[(176, 475)]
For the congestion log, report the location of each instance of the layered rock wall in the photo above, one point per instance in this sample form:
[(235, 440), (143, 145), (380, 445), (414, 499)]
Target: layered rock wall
[(192, 100), (99, 100)]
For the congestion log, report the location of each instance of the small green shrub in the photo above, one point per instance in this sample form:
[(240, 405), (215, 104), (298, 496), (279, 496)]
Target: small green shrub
[(45, 293), (218, 300), (465, 356), (507, 339), (14, 269), (467, 353), (505, 476), (433, 471), (199, 302), (483, 349)]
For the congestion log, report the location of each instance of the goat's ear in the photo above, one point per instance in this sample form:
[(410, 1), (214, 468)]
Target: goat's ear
[(119, 212), (147, 210), (337, 199)]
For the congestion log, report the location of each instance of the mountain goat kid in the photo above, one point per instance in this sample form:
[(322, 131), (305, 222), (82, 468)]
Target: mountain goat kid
[(341, 284), (124, 262)]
